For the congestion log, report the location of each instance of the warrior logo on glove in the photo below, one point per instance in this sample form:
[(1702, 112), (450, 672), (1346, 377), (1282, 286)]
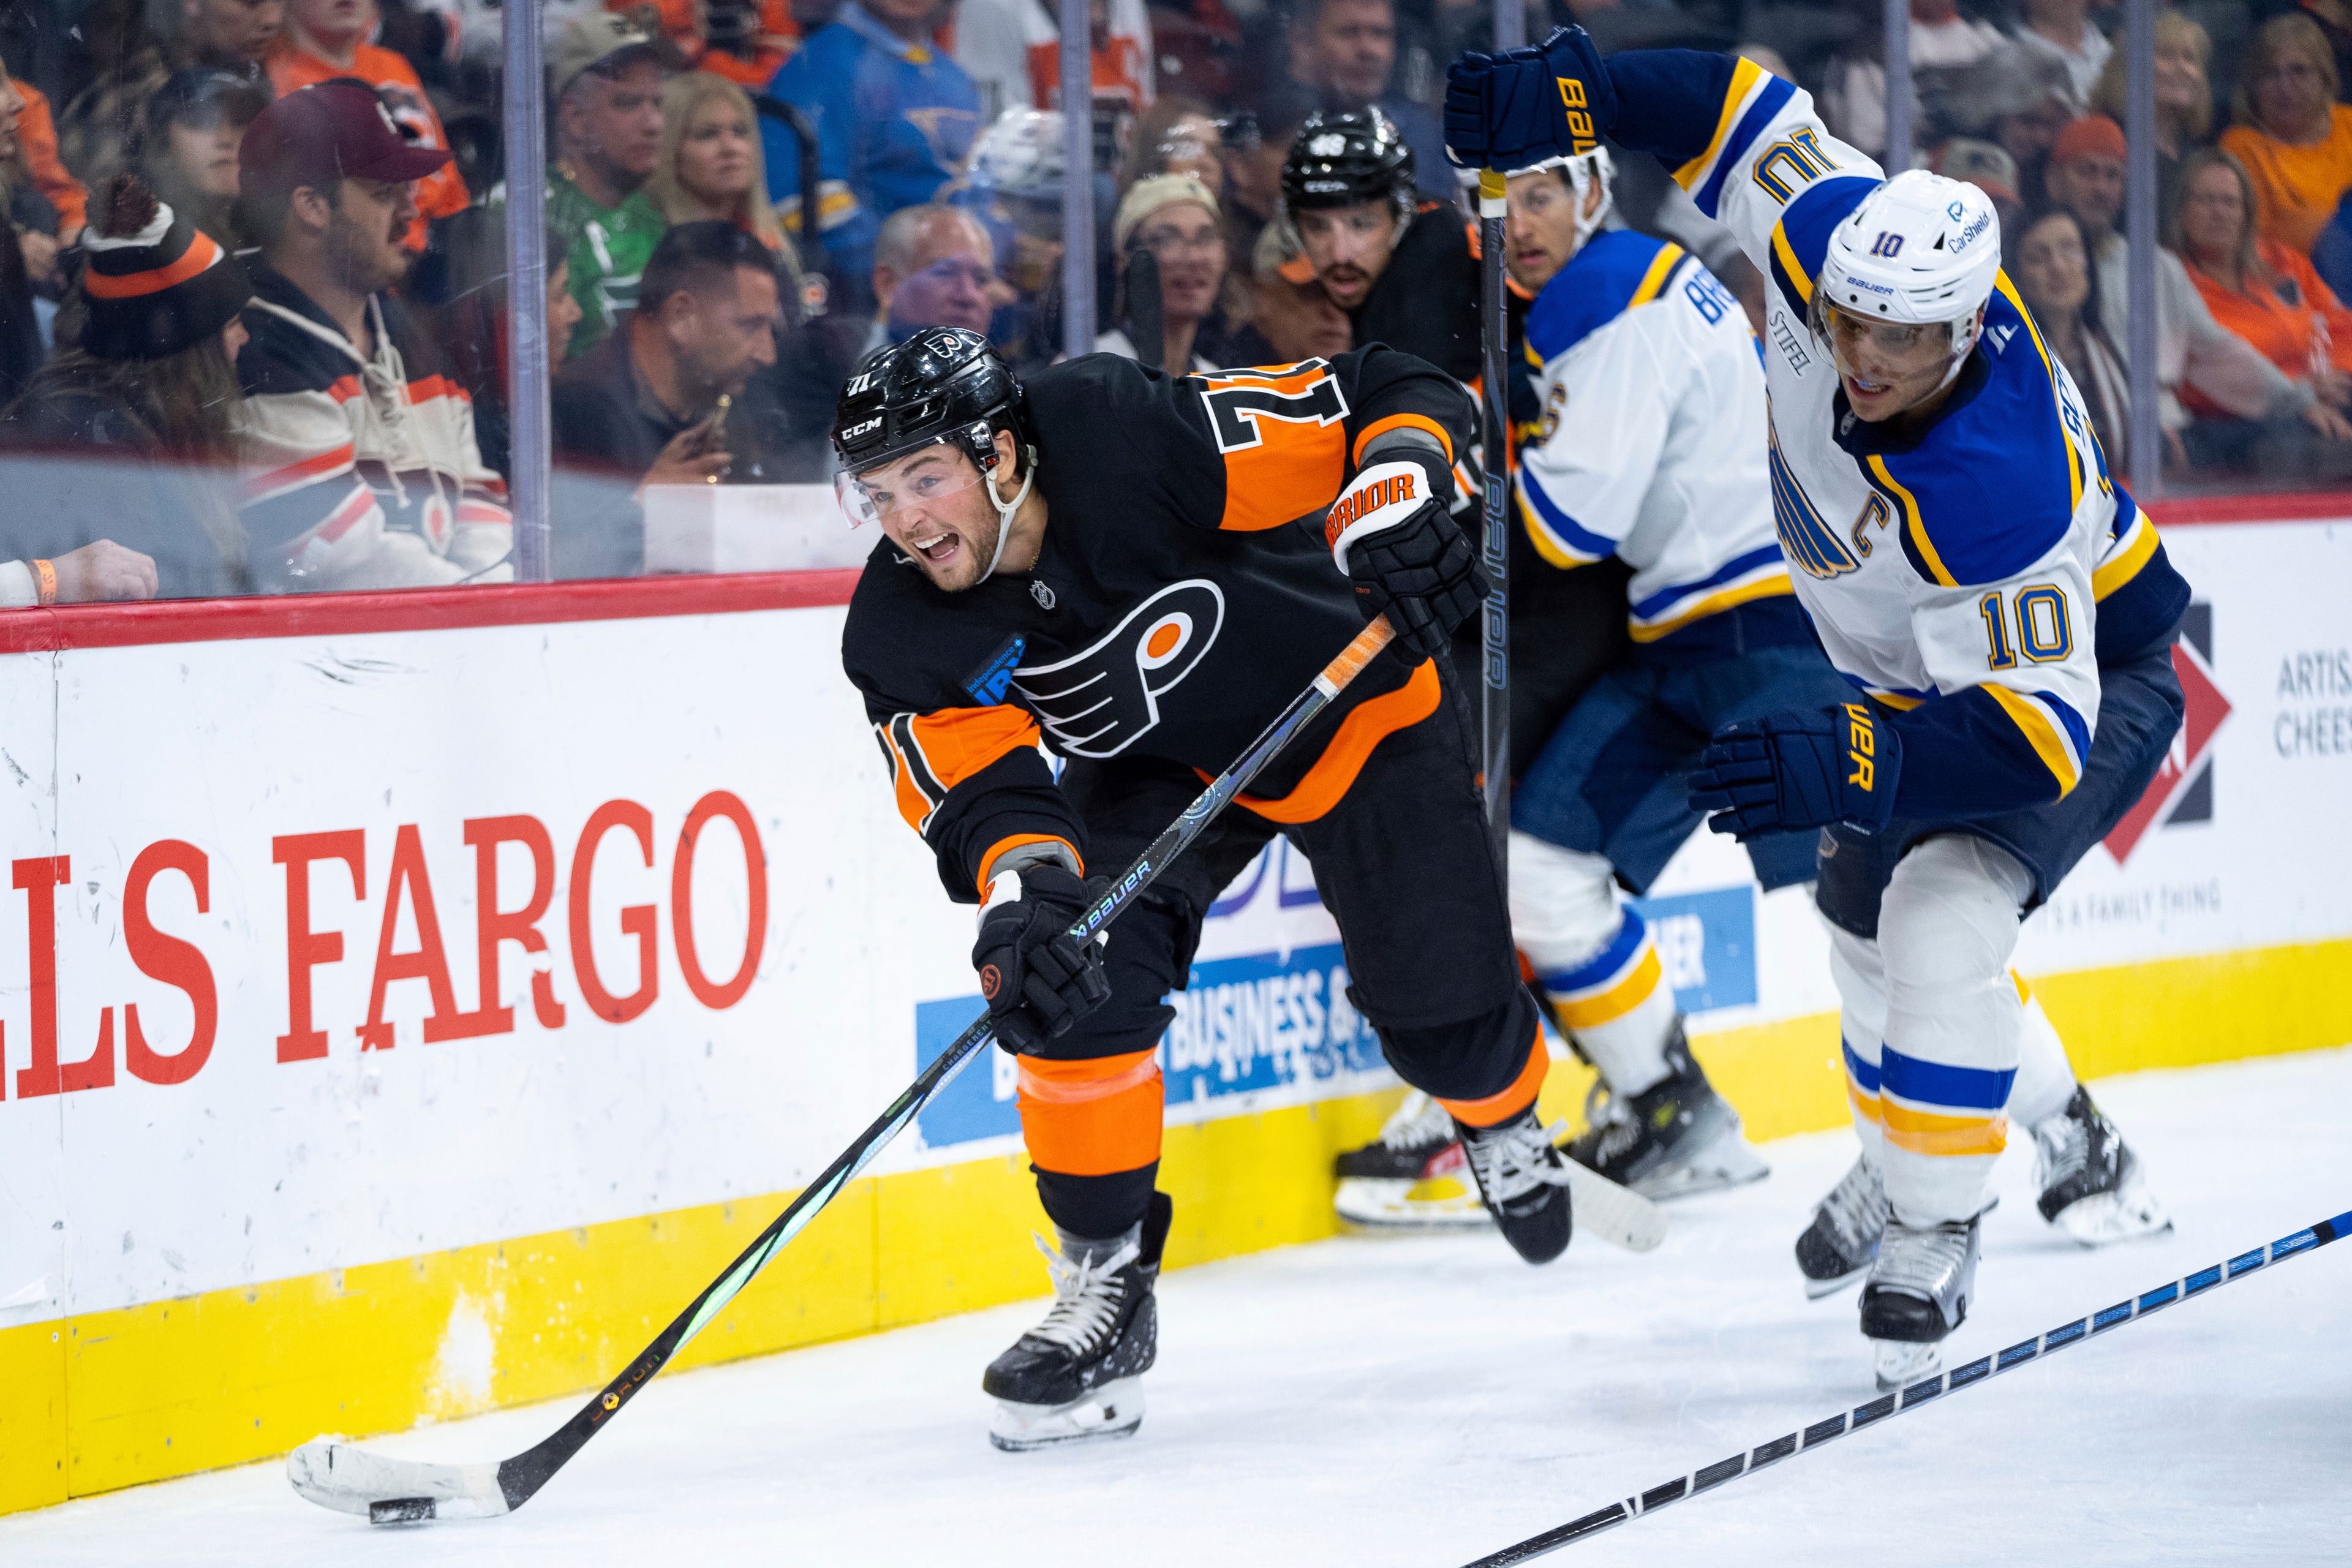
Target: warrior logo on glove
[(1101, 701)]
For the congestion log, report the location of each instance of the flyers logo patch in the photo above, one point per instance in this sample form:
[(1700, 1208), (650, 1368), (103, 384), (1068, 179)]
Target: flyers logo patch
[(1097, 703)]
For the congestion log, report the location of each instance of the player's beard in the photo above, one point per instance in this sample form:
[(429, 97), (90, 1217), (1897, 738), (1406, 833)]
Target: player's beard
[(975, 551)]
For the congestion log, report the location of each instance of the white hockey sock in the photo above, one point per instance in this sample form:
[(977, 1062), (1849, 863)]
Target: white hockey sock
[(1594, 959), (2045, 1078)]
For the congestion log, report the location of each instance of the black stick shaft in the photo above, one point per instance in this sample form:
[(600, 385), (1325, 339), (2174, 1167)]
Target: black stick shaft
[(1791, 1444), (523, 1475), (1495, 708)]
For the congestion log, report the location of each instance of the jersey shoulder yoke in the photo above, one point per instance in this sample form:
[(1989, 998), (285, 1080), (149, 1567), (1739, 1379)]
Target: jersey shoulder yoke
[(1615, 271)]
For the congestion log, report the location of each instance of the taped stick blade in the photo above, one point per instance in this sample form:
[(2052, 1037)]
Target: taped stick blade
[(336, 1474)]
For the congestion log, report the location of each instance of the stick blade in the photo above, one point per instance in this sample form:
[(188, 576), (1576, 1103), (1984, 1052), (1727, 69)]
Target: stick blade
[(336, 1474), (1613, 1213)]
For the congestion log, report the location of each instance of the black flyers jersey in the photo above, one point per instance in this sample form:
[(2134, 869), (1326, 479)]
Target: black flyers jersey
[(1426, 300), (1177, 602)]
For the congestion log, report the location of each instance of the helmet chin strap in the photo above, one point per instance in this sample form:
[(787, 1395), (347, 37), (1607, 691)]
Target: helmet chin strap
[(1004, 509)]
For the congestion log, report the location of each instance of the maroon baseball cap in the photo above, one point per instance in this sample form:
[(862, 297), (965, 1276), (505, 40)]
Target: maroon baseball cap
[(335, 131)]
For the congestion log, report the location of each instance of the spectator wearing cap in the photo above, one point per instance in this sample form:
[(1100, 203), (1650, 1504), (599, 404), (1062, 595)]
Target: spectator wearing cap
[(2087, 177), (896, 118), (103, 120), (1345, 51), (607, 83), (361, 465), (2293, 138), (676, 397), (2184, 101), (324, 39), (187, 152), (1176, 220), (138, 493)]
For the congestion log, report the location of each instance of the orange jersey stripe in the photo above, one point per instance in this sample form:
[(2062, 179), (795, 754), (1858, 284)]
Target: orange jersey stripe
[(1335, 770), (1403, 422), (1497, 1109), (1092, 1118)]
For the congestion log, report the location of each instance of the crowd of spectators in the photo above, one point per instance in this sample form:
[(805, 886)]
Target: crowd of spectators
[(253, 317)]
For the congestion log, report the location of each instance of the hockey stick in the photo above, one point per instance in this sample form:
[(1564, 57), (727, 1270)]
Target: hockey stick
[(338, 1475), (1494, 322), (1975, 1371)]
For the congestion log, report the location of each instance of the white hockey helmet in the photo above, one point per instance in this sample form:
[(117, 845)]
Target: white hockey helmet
[(1920, 249)]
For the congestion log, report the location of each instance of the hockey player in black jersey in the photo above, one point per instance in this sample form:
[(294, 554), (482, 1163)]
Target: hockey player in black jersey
[(1112, 562)]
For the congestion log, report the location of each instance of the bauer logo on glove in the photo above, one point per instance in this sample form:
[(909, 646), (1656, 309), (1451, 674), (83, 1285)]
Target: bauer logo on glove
[(1805, 767)]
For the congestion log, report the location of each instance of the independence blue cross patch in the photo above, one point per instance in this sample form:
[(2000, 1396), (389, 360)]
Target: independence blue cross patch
[(997, 675)]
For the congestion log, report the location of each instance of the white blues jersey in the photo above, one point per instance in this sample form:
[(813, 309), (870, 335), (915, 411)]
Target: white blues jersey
[(1971, 578), (1651, 445)]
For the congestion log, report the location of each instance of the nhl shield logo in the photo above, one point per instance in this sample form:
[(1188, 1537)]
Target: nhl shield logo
[(1097, 703)]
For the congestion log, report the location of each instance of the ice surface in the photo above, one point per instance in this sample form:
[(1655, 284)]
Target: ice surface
[(1424, 1400)]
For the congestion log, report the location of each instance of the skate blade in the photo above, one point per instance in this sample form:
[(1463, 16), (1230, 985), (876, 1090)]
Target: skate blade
[(1898, 1363), (1114, 1410), (1439, 1204), (1727, 1162), (2131, 1213)]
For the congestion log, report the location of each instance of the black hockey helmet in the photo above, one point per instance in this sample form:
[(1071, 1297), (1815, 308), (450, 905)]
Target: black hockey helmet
[(1345, 160), (943, 384)]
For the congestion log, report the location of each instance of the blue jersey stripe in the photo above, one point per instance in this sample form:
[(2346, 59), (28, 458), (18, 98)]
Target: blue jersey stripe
[(1938, 1083), (1572, 533), (2076, 730), (1739, 566), (1865, 1075), (1752, 125), (1631, 930)]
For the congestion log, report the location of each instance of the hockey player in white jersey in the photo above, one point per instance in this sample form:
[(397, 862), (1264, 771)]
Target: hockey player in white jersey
[(2003, 610)]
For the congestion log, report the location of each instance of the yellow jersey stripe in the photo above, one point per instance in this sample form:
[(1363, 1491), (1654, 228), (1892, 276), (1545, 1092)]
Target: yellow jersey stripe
[(2073, 458), (1912, 521), (1714, 604), (1924, 1132), (1745, 77), (1781, 248), (2041, 733), (1548, 544), (2124, 565), (1655, 277)]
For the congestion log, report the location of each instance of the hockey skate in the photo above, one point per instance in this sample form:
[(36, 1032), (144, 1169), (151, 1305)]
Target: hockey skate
[(1674, 1139), (1079, 1375), (1524, 1181), (1917, 1293), (1413, 1177), (1839, 1244), (2091, 1184)]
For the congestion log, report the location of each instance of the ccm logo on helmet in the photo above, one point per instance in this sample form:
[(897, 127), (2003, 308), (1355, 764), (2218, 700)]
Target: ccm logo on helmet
[(867, 427)]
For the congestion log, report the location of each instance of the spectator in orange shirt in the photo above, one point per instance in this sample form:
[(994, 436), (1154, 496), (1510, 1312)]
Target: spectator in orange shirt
[(37, 139), (2292, 136), (327, 38), (2257, 287)]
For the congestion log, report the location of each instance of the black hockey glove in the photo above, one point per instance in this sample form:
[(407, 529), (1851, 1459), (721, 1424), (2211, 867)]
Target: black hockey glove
[(1390, 532), (1805, 767), (1037, 978)]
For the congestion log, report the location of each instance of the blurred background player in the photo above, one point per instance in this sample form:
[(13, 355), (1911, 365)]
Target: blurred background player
[(1970, 567), (1096, 559)]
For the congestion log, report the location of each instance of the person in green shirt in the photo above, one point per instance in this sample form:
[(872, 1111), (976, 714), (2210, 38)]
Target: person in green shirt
[(607, 80)]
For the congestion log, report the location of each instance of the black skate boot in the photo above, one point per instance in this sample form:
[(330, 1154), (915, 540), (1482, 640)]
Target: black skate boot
[(1525, 1182), (1675, 1138), (1079, 1374), (2091, 1183), (1918, 1292), (1844, 1237), (1412, 1176)]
